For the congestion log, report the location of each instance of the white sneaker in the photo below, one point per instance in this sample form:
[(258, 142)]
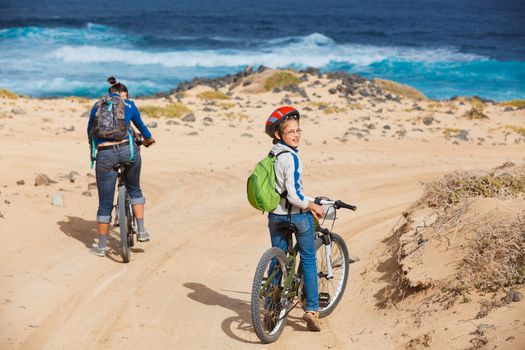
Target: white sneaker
[(143, 236), (98, 251)]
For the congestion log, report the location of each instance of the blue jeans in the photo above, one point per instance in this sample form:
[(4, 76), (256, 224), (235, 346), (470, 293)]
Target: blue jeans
[(107, 178), (305, 241)]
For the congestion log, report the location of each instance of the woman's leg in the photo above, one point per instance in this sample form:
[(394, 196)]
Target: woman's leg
[(106, 179), (135, 193)]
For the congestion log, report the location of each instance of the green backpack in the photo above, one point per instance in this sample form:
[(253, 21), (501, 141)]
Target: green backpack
[(260, 187)]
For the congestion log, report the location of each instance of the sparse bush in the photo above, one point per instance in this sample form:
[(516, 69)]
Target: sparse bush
[(400, 89), (496, 258), (174, 110), (226, 106), (280, 79), (5, 93), (475, 114), (327, 108), (517, 129), (213, 95), (514, 103), (455, 187)]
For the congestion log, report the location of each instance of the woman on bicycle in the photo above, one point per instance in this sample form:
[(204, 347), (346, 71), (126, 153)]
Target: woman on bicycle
[(283, 126), (109, 153)]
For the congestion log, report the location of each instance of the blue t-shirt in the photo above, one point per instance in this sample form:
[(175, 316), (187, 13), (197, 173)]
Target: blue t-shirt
[(131, 114)]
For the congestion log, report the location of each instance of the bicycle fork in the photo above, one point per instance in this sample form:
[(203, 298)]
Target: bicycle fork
[(328, 256)]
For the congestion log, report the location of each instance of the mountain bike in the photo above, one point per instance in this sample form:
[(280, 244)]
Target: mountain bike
[(278, 283), (124, 217)]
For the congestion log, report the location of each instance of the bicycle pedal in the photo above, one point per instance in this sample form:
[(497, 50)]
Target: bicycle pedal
[(324, 299)]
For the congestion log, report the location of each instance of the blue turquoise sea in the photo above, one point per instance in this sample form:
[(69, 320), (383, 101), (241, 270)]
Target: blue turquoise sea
[(442, 47)]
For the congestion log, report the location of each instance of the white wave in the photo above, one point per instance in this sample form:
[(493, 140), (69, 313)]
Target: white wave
[(314, 50)]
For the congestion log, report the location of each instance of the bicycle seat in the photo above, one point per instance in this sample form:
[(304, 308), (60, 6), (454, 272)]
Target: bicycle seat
[(122, 165), (287, 226)]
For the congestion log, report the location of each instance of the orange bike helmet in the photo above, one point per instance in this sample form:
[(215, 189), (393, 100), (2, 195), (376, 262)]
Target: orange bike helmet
[(277, 116)]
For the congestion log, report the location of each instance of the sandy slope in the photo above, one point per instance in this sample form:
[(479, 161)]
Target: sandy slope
[(190, 286)]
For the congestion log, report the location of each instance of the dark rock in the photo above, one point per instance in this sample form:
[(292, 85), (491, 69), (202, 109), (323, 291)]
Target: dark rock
[(261, 69), (363, 93), (428, 120), (43, 180), (307, 108), (179, 96), (152, 125), (513, 297), (246, 82), (287, 101), (86, 193), (189, 118), (379, 111), (70, 129), (172, 122), (247, 71), (193, 133), (313, 71), (246, 135), (92, 186), (386, 127), (21, 182), (276, 90), (393, 98), (207, 120), (85, 114), (371, 126), (508, 109), (332, 91), (303, 78), (208, 109)]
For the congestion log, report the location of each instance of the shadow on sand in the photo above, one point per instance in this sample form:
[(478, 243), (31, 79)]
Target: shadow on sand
[(242, 321), (85, 231)]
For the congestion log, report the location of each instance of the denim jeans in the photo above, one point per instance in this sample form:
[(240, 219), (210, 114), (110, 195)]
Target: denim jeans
[(305, 241), (107, 178)]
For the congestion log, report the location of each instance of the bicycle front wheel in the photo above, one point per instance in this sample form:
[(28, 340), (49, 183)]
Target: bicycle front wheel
[(268, 311), (123, 224), (332, 283)]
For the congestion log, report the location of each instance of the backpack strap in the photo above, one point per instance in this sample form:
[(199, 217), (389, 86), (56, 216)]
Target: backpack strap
[(285, 193), (131, 148), (93, 152)]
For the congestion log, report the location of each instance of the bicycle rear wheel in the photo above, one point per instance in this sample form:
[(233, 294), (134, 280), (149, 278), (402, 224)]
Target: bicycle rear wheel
[(123, 224), (268, 313), (331, 289)]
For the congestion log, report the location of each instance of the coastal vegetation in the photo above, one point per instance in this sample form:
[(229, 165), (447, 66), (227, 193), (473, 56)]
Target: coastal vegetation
[(399, 89), (173, 110), (5, 93), (514, 103), (213, 95), (280, 80)]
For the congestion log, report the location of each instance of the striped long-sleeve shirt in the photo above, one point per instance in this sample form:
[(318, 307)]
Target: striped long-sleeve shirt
[(288, 173)]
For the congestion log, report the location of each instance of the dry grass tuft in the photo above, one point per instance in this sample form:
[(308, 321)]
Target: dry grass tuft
[(8, 94), (517, 129), (280, 80), (514, 103), (455, 187), (213, 95), (327, 108), (174, 110), (475, 114), (400, 89), (496, 258)]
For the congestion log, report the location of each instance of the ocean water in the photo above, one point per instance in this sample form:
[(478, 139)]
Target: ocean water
[(444, 48)]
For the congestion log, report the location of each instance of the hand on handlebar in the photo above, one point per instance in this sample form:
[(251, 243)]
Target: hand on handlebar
[(317, 210), (148, 142)]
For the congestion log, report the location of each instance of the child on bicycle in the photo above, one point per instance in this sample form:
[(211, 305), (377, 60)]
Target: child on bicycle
[(283, 126), (109, 153)]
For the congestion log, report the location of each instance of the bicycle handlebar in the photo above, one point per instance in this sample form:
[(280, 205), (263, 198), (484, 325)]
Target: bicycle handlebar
[(337, 204)]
